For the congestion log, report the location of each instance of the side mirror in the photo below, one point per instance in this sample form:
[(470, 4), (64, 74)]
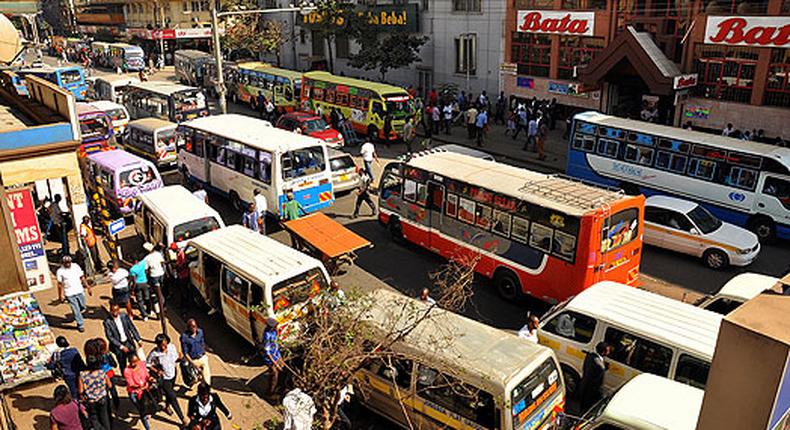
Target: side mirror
[(694, 232)]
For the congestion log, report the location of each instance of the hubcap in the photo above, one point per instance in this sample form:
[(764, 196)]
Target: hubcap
[(763, 231), (715, 260)]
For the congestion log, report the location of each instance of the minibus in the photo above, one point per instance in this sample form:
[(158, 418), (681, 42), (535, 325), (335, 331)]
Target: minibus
[(121, 176), (154, 139), (112, 87), (739, 290), (172, 214), (130, 58), (452, 372), (119, 116), (250, 277), (648, 333)]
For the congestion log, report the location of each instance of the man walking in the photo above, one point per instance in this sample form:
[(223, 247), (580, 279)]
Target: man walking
[(121, 291), (521, 120), (193, 346), (408, 134), (59, 217), (155, 263), (471, 118), (363, 195), (139, 274), (368, 153), (482, 125), (121, 334), (447, 113), (499, 113), (593, 371), (436, 117), (292, 209), (532, 133), (261, 208), (71, 287), (89, 239)]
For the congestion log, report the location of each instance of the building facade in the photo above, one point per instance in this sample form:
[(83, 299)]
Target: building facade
[(710, 62)]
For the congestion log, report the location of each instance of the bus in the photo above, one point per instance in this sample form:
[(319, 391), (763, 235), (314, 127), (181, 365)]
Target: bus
[(190, 66), (165, 100), (96, 127), (235, 154), (71, 78), (541, 235), (130, 58), (279, 85), (452, 372), (743, 183), (365, 104)]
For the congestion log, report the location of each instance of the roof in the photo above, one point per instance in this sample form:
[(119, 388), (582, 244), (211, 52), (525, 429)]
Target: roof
[(86, 107), (380, 88), (162, 87), (671, 203), (327, 235), (565, 195), (256, 256), (151, 124), (126, 46), (462, 149), (771, 151), (747, 285), (177, 204), (302, 116), (660, 318), (650, 402), (115, 79), (252, 131), (765, 314), (116, 158), (106, 105), (663, 64), (494, 356), (192, 53), (268, 68)]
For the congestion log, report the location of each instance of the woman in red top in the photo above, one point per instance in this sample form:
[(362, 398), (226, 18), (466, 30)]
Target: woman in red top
[(136, 376)]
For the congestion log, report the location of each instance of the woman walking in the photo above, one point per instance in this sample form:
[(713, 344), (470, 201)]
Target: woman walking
[(163, 363), (136, 375), (202, 409), (109, 364), (93, 385), (66, 413)]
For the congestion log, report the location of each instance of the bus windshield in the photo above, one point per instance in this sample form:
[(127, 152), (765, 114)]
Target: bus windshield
[(166, 138), (94, 127), (70, 76), (194, 228), (298, 289), (137, 177), (703, 219), (398, 106), (190, 100), (117, 114), (303, 162), (619, 229), (533, 391)]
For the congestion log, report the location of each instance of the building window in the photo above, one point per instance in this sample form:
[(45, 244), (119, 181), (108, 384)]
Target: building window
[(531, 53), (725, 72), (577, 51), (583, 4), (535, 4), (777, 89), (466, 54), (467, 6), (318, 44), (786, 7), (739, 7), (341, 47), (185, 6), (426, 4)]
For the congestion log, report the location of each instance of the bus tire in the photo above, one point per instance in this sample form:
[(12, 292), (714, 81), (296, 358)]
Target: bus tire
[(235, 201), (572, 380), (629, 188), (373, 132), (763, 227), (715, 259), (507, 284), (396, 230)]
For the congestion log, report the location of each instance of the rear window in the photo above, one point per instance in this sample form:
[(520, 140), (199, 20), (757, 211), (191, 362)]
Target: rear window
[(137, 177), (532, 392), (92, 128), (194, 228), (117, 114), (619, 229), (298, 289), (341, 163), (70, 76)]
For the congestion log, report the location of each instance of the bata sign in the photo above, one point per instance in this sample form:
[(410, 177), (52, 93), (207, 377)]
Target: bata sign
[(556, 22), (748, 30)]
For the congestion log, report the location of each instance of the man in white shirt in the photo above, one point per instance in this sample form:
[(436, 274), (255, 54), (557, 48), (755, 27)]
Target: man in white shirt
[(156, 270), (71, 287), (261, 206), (447, 113), (728, 130), (530, 329), (368, 153)]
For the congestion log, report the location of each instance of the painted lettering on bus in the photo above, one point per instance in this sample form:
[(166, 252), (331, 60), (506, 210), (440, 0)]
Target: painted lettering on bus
[(627, 169)]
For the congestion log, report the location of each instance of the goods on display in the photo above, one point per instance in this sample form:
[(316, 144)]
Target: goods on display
[(26, 341)]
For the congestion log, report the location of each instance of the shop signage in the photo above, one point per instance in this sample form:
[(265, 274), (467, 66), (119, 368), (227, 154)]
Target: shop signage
[(28, 237), (170, 33), (556, 22), (569, 89), (384, 17), (769, 31), (525, 82), (697, 112), (685, 81)]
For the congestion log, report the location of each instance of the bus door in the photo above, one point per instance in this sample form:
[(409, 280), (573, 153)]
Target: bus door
[(435, 206), (773, 197), (234, 294), (389, 384)]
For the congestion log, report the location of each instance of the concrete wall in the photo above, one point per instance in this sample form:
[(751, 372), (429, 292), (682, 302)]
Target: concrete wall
[(775, 121)]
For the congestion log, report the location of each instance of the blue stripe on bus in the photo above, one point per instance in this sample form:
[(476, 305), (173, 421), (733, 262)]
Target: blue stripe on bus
[(309, 197)]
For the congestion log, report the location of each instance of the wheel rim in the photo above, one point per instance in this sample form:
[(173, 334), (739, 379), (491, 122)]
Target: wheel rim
[(763, 231), (715, 260), (507, 288)]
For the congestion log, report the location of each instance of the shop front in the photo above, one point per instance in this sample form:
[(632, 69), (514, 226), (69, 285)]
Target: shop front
[(172, 39)]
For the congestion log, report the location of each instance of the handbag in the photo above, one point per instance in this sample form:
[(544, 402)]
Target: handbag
[(189, 373), (57, 367)]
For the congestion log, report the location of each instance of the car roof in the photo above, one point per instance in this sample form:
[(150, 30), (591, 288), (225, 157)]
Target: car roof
[(650, 402), (673, 203), (106, 105), (747, 285)]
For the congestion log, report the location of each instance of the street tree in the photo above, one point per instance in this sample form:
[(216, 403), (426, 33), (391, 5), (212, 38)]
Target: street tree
[(253, 32), (346, 335), (389, 52)]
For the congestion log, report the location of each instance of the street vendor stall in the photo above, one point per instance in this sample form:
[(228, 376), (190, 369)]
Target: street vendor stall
[(26, 341), (325, 239)]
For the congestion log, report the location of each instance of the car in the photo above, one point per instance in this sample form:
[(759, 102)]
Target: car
[(739, 290), (683, 226), (311, 125), (345, 172)]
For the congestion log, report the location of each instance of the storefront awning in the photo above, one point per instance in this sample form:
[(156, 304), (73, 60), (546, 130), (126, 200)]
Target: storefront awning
[(640, 52)]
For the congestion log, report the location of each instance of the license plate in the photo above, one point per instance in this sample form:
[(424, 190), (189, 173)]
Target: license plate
[(192, 116), (343, 177)]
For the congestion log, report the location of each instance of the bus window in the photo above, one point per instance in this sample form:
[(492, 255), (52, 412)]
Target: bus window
[(703, 169), (483, 216), (533, 391), (422, 194), (564, 246), (779, 188), (194, 228), (672, 162), (520, 229), (377, 108), (399, 371), (235, 286), (638, 154), (607, 147), (297, 289), (409, 190), (463, 399), (571, 325), (390, 185), (70, 76), (619, 229), (265, 166), (451, 207), (583, 142), (466, 211), (639, 353), (692, 371), (303, 162), (501, 223)]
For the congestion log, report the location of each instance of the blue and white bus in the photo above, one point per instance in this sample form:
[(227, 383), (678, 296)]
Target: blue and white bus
[(71, 78), (744, 183), (235, 154)]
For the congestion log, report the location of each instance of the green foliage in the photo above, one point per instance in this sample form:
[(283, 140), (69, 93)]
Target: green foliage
[(389, 52), (253, 31)]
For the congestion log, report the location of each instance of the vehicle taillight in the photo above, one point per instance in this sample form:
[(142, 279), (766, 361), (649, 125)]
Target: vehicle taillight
[(356, 169), (323, 181)]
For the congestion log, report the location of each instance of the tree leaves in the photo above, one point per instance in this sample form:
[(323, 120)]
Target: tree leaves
[(392, 51)]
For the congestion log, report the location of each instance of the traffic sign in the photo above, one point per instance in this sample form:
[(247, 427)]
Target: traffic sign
[(117, 226)]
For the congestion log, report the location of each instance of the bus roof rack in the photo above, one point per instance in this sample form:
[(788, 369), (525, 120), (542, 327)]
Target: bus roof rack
[(572, 191)]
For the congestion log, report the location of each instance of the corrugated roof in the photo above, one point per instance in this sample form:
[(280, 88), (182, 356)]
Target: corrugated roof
[(252, 131), (550, 191)]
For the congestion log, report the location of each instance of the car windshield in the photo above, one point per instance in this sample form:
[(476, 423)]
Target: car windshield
[(341, 163), (187, 101), (70, 76), (313, 125), (117, 114), (704, 221), (194, 228), (166, 138)]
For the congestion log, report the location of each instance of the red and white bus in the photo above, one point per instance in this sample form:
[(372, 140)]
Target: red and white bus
[(541, 235)]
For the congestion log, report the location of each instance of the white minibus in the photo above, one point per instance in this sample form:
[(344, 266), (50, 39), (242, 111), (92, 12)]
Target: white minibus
[(173, 214), (112, 87)]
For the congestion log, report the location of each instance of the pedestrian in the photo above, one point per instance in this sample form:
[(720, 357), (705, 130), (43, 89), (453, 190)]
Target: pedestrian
[(66, 414), (334, 119), (551, 110), (436, 118), (425, 297), (137, 384), (426, 121), (269, 107), (501, 104), (471, 118), (532, 134), (121, 334), (200, 193), (292, 209), (530, 329), (93, 385), (593, 371), (272, 357), (193, 346), (259, 103), (345, 398), (729, 130), (202, 409), (60, 219), (142, 75), (510, 129), (363, 195), (155, 263), (108, 364), (409, 134), (71, 288), (568, 123), (387, 129), (121, 291), (249, 218), (182, 277), (447, 117), (368, 153), (522, 121), (543, 134), (89, 239), (482, 126), (66, 363), (162, 360), (142, 292), (747, 135), (433, 97)]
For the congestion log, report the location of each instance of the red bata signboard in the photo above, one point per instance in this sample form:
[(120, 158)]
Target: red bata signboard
[(555, 22), (684, 81), (23, 218), (768, 31)]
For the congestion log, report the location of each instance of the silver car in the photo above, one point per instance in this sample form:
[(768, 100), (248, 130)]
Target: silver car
[(345, 173)]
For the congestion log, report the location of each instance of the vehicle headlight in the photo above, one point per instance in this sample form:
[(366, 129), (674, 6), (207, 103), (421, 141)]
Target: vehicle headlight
[(744, 251)]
